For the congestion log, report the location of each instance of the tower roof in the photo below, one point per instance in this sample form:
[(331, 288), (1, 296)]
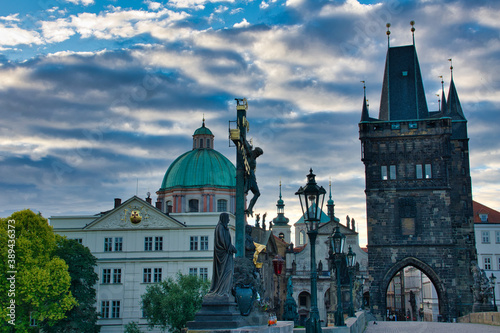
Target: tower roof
[(403, 95), (203, 130)]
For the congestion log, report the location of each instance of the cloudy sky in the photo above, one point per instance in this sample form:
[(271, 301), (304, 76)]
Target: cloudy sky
[(98, 97)]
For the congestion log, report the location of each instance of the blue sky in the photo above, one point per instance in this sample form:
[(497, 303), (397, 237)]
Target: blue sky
[(97, 98)]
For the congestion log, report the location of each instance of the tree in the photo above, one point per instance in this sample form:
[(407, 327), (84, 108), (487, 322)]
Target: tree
[(32, 276), (172, 303), (83, 317), (132, 327)]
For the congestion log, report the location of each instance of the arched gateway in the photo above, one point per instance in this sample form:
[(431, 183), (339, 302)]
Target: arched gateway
[(418, 188)]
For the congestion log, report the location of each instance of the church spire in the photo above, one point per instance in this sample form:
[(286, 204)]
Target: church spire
[(330, 205), (280, 219)]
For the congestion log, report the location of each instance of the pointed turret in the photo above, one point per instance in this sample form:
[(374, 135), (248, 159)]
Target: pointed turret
[(365, 116), (443, 98), (455, 112)]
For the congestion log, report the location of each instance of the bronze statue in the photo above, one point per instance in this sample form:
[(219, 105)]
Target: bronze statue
[(250, 179), (223, 268)]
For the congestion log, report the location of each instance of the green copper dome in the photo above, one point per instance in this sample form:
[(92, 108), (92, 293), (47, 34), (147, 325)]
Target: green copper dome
[(203, 130), (199, 168)]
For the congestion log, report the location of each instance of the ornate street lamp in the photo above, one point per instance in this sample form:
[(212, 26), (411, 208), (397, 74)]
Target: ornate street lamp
[(278, 262), (311, 201), (337, 246), (351, 264), (493, 281)]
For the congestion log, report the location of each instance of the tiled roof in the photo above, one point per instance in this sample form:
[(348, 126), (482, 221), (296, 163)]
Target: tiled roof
[(493, 215)]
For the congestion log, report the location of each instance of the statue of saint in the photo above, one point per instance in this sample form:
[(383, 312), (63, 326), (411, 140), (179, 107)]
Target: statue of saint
[(223, 269), (251, 180), (249, 244)]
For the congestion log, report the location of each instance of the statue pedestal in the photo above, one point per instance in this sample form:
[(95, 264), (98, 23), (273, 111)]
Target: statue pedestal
[(280, 327), (221, 313)]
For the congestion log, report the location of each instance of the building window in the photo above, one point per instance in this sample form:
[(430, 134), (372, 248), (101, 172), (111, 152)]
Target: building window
[(157, 275), (497, 236), (108, 244), (117, 275), (169, 207), (146, 278), (419, 171), (485, 236), (392, 172), (193, 243), (201, 143), (302, 237), (193, 205), (159, 243), (281, 236), (115, 309), (407, 215), (106, 275), (105, 309), (302, 300), (483, 217), (204, 273), (118, 243), (193, 271), (221, 205), (428, 171), (487, 262), (148, 243), (78, 240), (203, 243), (383, 172), (208, 143)]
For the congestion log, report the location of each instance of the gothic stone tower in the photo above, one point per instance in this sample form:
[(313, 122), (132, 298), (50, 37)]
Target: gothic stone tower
[(418, 188)]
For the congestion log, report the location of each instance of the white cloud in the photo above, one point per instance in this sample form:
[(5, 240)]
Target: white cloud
[(153, 5), (242, 24), (83, 2), (13, 35), (263, 5), (13, 17)]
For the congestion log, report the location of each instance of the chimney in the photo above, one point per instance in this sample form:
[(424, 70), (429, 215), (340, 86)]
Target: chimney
[(118, 202)]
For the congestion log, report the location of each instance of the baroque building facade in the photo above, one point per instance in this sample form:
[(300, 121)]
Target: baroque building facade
[(418, 188), (138, 244)]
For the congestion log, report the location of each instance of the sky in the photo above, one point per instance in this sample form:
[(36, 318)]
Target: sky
[(97, 98)]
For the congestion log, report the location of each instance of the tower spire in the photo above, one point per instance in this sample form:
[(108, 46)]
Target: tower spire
[(365, 116), (443, 98), (330, 205)]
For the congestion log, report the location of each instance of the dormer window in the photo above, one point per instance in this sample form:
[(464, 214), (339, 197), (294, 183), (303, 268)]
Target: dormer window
[(483, 217)]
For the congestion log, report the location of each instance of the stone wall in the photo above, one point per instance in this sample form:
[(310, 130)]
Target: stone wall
[(488, 318)]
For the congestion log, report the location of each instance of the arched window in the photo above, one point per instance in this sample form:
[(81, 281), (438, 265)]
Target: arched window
[(221, 205), (282, 236), (302, 237), (169, 207), (208, 143), (201, 143), (193, 205)]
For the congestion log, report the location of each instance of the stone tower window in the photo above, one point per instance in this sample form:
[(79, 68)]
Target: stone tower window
[(407, 215)]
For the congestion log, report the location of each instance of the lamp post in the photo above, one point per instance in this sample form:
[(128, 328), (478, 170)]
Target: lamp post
[(278, 268), (337, 245), (311, 201), (351, 262), (493, 281)]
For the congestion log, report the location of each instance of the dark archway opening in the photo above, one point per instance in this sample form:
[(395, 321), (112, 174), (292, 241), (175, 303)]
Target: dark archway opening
[(411, 296)]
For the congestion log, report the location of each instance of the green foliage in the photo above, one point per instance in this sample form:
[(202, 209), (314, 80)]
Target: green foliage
[(42, 281), (132, 327), (83, 317), (172, 303)]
